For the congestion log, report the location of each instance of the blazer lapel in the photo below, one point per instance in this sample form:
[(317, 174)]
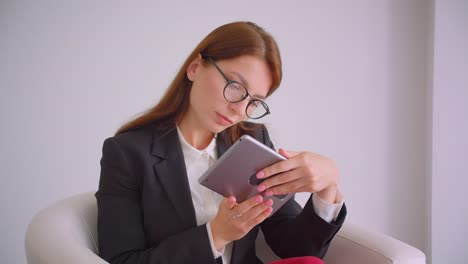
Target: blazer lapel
[(221, 144), (171, 171)]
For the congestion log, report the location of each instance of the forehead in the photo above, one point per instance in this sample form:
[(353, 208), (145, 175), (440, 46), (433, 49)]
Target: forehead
[(251, 70)]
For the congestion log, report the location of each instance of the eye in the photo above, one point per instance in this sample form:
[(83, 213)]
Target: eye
[(255, 104), (236, 86)]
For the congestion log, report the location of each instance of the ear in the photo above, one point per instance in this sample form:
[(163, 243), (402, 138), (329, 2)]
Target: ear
[(193, 68)]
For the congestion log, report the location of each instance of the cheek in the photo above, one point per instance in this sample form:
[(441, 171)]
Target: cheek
[(212, 92), (215, 88), (206, 94)]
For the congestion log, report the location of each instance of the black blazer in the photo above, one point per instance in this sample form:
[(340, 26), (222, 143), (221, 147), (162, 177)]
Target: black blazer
[(146, 214)]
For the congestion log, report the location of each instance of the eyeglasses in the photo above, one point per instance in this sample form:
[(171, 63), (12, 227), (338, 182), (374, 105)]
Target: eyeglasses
[(235, 92)]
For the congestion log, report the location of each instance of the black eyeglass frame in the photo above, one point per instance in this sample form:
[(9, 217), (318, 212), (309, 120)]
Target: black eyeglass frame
[(247, 94)]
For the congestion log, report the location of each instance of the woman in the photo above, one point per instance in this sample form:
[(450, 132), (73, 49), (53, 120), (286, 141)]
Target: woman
[(151, 208)]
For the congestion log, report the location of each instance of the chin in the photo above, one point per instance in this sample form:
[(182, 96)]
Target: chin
[(218, 128)]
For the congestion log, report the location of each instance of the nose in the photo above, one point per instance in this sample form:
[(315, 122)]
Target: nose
[(239, 108)]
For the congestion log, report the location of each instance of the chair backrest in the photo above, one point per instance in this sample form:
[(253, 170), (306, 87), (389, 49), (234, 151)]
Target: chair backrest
[(64, 232)]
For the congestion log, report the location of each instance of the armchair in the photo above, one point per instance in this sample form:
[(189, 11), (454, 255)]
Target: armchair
[(65, 232)]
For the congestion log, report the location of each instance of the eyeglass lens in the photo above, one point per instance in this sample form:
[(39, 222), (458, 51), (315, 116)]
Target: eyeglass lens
[(235, 92)]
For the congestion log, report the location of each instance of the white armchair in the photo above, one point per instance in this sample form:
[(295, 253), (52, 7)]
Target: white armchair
[(65, 232)]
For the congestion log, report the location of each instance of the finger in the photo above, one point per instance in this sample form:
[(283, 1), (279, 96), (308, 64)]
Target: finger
[(257, 210), (261, 217), (299, 185), (280, 179), (245, 206), (291, 187), (287, 154), (278, 167), (230, 202)]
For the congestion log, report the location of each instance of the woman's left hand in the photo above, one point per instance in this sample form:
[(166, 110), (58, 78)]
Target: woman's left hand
[(301, 172)]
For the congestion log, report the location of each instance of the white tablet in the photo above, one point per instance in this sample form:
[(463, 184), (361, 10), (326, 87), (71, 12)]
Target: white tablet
[(233, 174)]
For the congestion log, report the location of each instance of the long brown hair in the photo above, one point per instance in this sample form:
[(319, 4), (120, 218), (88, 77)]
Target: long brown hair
[(225, 42)]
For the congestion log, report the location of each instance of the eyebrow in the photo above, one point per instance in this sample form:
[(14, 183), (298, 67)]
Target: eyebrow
[(246, 84), (242, 79)]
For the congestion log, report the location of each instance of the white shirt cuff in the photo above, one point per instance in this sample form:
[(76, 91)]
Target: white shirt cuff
[(216, 253), (327, 211)]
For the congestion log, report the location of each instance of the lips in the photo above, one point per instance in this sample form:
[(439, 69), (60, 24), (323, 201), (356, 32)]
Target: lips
[(224, 119)]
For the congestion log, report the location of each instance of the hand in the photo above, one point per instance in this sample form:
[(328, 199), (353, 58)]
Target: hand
[(301, 172), (233, 221)]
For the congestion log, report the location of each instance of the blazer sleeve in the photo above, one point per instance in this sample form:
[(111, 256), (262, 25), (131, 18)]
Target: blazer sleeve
[(293, 231), (121, 233)]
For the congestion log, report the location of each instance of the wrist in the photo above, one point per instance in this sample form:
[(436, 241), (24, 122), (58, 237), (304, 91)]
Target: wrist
[(218, 242), (329, 194)]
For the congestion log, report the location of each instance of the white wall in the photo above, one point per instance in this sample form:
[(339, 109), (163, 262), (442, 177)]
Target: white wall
[(355, 78), (449, 210)]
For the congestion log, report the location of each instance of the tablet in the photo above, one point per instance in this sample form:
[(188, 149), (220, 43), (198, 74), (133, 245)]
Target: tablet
[(233, 174)]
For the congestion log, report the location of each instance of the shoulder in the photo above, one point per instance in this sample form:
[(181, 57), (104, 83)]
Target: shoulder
[(138, 138), (258, 131)]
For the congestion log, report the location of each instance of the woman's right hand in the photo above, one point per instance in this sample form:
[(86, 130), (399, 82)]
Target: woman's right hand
[(233, 220)]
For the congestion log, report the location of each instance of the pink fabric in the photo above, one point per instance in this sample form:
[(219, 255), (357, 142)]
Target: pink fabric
[(299, 260)]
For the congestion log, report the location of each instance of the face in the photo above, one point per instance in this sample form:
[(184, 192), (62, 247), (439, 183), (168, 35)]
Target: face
[(208, 109)]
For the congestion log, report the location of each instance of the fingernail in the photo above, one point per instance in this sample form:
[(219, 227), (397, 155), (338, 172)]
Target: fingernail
[(269, 202), (261, 188), (258, 199), (268, 193), (260, 174)]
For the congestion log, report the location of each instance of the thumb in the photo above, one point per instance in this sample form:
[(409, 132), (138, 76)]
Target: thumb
[(229, 202), (287, 154)]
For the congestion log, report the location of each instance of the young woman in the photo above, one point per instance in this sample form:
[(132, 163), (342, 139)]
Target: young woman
[(151, 208)]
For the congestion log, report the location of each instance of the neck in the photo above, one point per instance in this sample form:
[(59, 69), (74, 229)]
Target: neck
[(194, 135)]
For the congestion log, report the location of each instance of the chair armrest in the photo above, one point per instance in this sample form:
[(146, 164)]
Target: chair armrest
[(64, 232), (356, 244)]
